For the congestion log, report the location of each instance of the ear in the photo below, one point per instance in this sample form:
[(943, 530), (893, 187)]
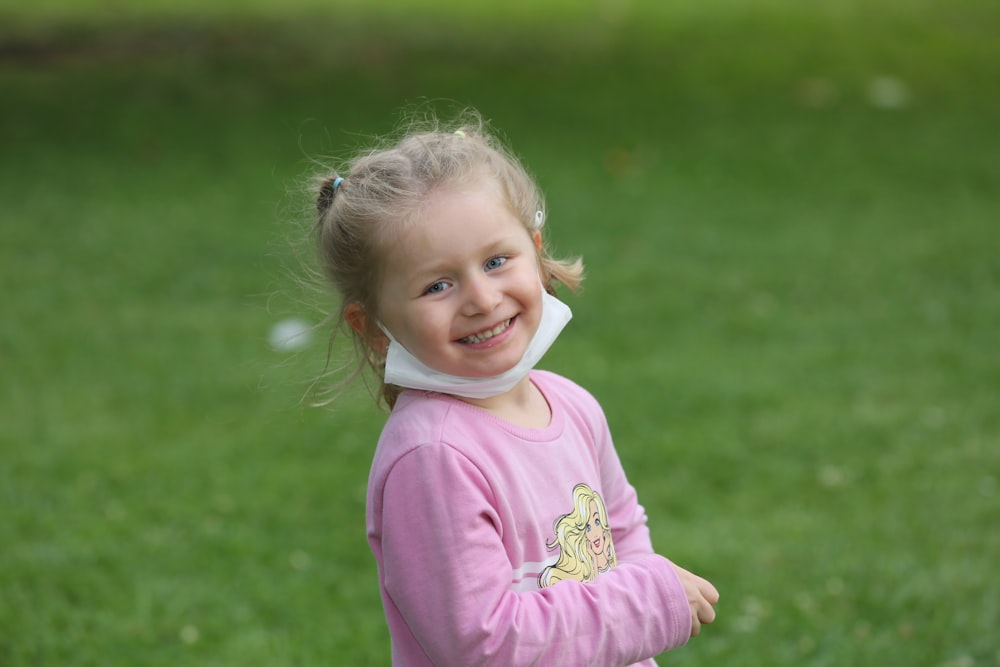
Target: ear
[(536, 236), (357, 319), (354, 313)]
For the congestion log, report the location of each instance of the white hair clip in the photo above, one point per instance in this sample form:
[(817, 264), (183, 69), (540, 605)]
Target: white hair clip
[(539, 219)]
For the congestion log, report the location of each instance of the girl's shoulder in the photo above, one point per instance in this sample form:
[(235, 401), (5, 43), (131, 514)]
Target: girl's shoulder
[(576, 404), (555, 386), (422, 418), (419, 414), (418, 419)]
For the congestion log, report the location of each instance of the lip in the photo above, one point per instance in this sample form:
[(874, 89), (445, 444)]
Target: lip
[(492, 341)]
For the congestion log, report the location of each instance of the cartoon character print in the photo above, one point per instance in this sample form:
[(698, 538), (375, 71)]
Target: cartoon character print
[(584, 539)]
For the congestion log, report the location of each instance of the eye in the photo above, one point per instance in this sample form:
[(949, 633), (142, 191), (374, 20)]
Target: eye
[(437, 288), (495, 263), (588, 527)]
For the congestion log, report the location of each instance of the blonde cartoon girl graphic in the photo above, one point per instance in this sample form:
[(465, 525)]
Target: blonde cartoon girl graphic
[(584, 540)]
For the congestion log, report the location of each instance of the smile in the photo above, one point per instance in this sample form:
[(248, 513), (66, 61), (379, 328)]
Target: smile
[(483, 336)]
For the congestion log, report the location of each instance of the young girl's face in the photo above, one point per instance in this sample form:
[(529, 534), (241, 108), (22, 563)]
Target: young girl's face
[(461, 288)]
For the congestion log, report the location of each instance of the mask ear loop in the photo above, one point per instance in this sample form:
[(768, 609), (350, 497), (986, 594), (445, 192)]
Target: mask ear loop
[(392, 340), (386, 332)]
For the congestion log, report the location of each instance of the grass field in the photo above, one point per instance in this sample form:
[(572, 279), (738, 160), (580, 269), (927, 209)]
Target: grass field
[(789, 214)]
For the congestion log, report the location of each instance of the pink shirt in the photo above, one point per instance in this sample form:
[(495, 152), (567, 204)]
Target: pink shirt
[(476, 566)]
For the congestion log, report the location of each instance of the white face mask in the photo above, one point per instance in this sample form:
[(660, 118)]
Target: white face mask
[(405, 370)]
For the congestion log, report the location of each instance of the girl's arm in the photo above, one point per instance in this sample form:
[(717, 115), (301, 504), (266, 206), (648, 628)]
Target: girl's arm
[(625, 515), (447, 575), (631, 535)]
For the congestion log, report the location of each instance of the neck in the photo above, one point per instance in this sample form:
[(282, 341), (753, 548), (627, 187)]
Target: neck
[(524, 405)]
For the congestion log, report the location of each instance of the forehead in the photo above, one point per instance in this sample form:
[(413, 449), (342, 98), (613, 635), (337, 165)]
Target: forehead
[(456, 220)]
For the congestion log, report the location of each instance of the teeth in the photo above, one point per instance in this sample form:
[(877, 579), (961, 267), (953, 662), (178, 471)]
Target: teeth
[(486, 335)]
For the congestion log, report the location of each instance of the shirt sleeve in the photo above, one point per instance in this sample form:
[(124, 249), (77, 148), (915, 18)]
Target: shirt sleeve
[(447, 573), (626, 516)]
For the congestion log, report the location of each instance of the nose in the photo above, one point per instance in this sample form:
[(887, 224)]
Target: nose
[(481, 295)]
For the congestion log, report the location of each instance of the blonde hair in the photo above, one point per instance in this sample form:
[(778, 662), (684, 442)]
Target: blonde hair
[(381, 190), (571, 538)]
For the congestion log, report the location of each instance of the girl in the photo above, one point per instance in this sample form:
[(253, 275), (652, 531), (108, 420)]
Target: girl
[(435, 246)]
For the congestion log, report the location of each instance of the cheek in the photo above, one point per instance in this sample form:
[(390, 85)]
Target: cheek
[(529, 292), (415, 329), (536, 310)]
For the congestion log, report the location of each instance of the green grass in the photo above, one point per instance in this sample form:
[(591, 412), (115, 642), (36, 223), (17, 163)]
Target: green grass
[(791, 314)]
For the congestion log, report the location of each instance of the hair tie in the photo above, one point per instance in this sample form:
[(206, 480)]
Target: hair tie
[(326, 193)]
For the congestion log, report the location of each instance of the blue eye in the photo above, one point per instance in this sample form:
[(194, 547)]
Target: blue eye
[(588, 527), (437, 287), (495, 263)]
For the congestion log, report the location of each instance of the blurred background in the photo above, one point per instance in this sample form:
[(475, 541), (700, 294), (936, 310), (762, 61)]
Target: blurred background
[(789, 215)]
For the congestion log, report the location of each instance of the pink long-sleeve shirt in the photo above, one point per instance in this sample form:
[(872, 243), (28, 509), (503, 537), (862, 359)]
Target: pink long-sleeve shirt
[(463, 517)]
